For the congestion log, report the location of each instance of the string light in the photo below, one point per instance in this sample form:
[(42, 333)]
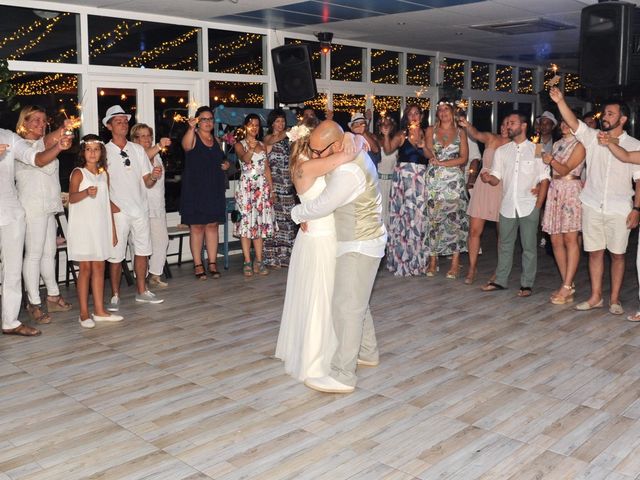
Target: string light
[(418, 69), (504, 78), (453, 72), (525, 81), (148, 55)]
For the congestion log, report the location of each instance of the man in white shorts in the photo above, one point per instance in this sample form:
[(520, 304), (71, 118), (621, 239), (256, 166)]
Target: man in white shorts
[(608, 212), (129, 174)]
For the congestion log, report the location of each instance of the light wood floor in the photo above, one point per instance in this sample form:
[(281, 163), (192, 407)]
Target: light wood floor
[(471, 385)]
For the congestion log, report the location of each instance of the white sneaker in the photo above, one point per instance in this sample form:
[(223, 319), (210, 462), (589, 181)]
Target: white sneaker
[(328, 385), (110, 318), (148, 297), (88, 323), (114, 304)]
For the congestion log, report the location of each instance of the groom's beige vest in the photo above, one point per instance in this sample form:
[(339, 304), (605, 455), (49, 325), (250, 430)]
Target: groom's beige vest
[(362, 218)]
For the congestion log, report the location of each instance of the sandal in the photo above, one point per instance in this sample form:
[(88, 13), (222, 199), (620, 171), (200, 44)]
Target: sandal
[(247, 269), (22, 330), (214, 271), (38, 315), (198, 271), (260, 268), (58, 305), (559, 299), (492, 287), (525, 292)]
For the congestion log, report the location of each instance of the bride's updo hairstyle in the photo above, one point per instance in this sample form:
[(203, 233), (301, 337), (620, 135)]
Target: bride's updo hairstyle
[(300, 149)]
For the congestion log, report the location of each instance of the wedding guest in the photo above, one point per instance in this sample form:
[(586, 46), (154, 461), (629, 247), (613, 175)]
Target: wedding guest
[(91, 233), (548, 124), (590, 119), (142, 134), (485, 199), (277, 248), (254, 197), (202, 200), (359, 125), (39, 193), (516, 166), (446, 199), (406, 253), (12, 224), (609, 209), (386, 127), (562, 215), (130, 174)]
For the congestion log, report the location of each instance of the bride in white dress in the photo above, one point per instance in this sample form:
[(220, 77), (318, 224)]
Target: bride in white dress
[(307, 341)]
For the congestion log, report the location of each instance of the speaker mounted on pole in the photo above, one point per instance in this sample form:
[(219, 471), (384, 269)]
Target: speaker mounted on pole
[(294, 76)]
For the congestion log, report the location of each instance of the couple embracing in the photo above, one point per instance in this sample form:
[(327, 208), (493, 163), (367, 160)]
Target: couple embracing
[(327, 329)]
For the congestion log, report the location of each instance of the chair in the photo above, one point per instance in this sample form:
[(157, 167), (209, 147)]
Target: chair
[(61, 220)]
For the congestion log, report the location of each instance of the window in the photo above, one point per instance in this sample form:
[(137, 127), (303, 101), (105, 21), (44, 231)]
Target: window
[(236, 52), (504, 78), (385, 66), (453, 72), (418, 69), (38, 35), (504, 109), (384, 106), (346, 63), (344, 104), (236, 94), (525, 81), (134, 43), (480, 76), (482, 112), (314, 51), (572, 85)]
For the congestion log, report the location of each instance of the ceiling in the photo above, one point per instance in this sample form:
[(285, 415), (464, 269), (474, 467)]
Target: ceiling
[(438, 25)]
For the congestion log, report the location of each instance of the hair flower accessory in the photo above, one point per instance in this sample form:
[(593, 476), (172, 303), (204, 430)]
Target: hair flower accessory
[(298, 132)]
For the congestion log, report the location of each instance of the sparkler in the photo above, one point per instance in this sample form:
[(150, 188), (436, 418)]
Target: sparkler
[(555, 80), (535, 139)]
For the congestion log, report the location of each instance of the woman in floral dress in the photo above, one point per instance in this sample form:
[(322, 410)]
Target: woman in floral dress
[(448, 223), (277, 249), (563, 211), (253, 197)]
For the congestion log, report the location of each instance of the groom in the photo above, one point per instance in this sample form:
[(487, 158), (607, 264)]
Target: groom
[(352, 194)]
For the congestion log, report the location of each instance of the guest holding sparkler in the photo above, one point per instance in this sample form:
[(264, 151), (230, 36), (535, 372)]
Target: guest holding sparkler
[(202, 199)]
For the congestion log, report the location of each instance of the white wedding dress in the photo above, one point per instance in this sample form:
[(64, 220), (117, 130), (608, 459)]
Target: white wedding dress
[(307, 341)]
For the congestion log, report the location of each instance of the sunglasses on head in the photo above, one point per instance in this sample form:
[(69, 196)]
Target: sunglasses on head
[(320, 152), (125, 155)]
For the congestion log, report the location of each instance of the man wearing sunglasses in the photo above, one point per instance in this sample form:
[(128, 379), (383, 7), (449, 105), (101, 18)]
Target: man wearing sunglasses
[(353, 195), (130, 173)]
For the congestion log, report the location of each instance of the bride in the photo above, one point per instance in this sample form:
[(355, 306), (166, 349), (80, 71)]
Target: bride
[(306, 341)]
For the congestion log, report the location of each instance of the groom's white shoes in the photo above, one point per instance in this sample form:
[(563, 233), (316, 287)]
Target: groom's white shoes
[(328, 385)]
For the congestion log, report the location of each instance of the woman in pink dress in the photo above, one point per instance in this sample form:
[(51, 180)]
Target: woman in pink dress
[(563, 212), (485, 199)]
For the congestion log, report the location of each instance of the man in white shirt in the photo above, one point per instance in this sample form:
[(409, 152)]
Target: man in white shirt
[(129, 174), (352, 194), (608, 211), (520, 171)]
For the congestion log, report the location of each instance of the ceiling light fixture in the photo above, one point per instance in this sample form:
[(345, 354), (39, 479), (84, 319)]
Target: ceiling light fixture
[(325, 41)]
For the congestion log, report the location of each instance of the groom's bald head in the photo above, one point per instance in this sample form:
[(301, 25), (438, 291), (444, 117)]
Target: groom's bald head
[(324, 135)]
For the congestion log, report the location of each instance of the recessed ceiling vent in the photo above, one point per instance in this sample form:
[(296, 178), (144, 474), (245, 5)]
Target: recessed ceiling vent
[(524, 27)]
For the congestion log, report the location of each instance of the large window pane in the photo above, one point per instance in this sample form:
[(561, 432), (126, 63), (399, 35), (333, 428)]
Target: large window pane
[(480, 76), (134, 43), (314, 51), (236, 94), (38, 35), (453, 72), (385, 66), (235, 52), (504, 78), (572, 85), (418, 69), (482, 115), (344, 104), (504, 109), (525, 81), (346, 63), (386, 107), (57, 93)]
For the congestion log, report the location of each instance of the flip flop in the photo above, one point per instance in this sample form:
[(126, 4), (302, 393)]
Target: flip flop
[(634, 318), (492, 287), (525, 292)]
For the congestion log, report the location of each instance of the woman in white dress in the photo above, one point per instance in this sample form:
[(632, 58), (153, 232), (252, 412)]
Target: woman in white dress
[(307, 341)]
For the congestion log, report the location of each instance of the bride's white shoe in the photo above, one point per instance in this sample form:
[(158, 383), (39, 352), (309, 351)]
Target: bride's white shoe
[(328, 385)]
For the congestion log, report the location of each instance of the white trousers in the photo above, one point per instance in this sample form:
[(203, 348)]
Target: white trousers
[(159, 244), (11, 248), (40, 257)]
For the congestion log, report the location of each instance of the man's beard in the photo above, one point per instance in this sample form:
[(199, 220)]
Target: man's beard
[(606, 128), (514, 133)]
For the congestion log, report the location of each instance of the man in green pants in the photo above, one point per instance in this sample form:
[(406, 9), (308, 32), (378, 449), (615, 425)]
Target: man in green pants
[(523, 173)]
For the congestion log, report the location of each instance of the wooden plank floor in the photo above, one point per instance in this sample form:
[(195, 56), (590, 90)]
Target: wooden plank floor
[(471, 385)]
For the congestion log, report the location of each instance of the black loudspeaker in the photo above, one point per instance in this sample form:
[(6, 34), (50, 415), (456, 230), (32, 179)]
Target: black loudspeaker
[(294, 76), (608, 48)]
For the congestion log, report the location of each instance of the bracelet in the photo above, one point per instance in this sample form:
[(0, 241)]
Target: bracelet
[(637, 209)]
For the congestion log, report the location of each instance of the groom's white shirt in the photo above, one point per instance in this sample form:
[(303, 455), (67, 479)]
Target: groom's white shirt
[(346, 183)]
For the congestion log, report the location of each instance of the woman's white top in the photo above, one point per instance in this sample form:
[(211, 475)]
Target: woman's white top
[(155, 194)]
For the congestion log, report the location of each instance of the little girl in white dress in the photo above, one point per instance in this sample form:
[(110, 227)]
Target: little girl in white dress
[(91, 231)]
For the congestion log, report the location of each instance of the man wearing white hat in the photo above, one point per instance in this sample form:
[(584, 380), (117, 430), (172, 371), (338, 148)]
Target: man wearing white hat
[(359, 125), (548, 123), (129, 174)]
